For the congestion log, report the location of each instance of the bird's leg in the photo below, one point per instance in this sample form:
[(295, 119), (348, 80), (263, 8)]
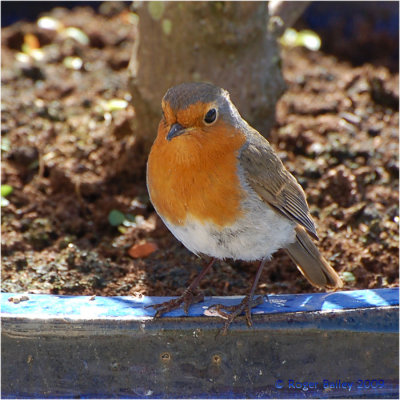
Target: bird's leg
[(229, 313), (187, 298)]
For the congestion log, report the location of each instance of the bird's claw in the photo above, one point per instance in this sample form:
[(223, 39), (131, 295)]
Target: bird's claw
[(187, 299), (229, 313)]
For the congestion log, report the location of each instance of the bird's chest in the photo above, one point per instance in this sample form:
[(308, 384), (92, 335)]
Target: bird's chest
[(204, 187)]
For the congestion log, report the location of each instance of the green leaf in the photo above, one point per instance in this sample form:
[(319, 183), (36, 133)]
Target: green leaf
[(115, 104), (73, 62), (305, 38), (309, 40), (77, 34), (5, 144), (122, 229), (6, 190), (116, 218), (348, 277)]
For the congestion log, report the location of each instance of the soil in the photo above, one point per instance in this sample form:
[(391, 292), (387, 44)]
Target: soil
[(67, 153)]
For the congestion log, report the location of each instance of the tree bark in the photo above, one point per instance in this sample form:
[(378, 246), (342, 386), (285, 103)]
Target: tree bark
[(226, 43)]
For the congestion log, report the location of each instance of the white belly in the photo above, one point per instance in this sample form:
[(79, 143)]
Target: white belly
[(258, 234)]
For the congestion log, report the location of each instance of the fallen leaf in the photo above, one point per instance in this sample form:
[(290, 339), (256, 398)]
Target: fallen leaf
[(31, 41), (18, 299), (142, 250)]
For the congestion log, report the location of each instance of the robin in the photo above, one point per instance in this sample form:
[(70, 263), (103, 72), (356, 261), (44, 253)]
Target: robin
[(221, 189)]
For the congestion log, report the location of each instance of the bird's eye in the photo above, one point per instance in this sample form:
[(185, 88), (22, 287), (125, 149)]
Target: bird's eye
[(211, 116)]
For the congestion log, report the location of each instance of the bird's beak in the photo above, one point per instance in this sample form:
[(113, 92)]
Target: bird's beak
[(176, 130)]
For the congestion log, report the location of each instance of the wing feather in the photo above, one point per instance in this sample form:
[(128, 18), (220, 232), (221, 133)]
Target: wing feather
[(269, 178)]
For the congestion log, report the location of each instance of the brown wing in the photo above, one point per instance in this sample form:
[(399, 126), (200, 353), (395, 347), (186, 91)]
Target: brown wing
[(273, 182)]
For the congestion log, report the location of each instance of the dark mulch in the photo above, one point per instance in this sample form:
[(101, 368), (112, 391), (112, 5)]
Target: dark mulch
[(66, 154)]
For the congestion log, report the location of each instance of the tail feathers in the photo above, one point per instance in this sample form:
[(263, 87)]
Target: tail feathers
[(311, 263)]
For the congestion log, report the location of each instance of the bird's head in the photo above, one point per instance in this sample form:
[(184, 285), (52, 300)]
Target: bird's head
[(196, 111)]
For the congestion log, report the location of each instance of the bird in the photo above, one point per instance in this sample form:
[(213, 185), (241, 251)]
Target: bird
[(221, 189)]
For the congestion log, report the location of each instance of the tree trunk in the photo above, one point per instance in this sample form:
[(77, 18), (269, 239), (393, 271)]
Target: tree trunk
[(226, 43)]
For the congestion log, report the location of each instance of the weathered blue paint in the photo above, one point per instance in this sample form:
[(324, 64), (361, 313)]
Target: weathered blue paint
[(111, 347), (125, 307)]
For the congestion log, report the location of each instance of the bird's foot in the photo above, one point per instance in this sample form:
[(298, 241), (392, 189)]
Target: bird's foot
[(229, 313), (187, 299)]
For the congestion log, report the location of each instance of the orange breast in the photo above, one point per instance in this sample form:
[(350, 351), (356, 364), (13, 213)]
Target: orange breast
[(196, 174)]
